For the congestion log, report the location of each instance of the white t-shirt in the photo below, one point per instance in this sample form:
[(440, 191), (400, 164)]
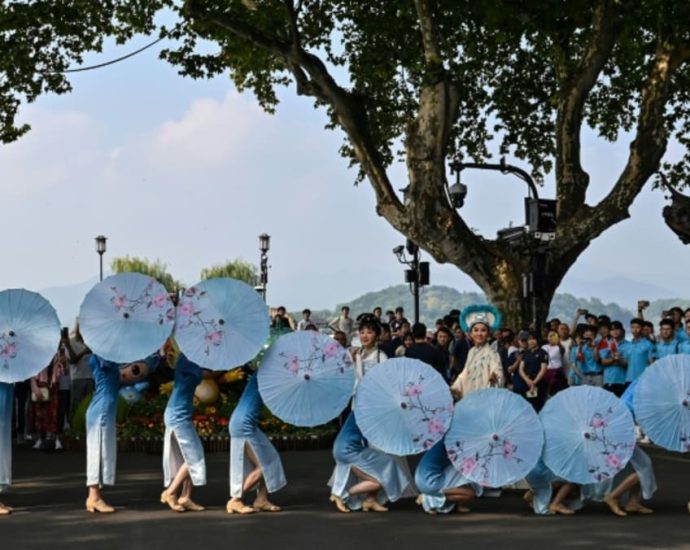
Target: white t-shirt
[(555, 356)]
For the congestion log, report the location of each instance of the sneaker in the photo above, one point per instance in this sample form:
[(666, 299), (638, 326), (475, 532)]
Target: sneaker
[(58, 444), (38, 444), (645, 440)]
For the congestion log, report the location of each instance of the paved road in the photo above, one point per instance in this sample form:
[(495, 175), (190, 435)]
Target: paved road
[(48, 495)]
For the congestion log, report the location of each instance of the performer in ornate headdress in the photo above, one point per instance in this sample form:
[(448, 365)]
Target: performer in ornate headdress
[(184, 464), (6, 400), (483, 367), (101, 417), (364, 477)]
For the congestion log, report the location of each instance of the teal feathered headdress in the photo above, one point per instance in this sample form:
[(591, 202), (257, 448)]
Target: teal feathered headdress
[(480, 313)]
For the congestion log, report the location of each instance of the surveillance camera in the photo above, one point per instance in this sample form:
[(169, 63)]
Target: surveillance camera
[(398, 250), (457, 193)]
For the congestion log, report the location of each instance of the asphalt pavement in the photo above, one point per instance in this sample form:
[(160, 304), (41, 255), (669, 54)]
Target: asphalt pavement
[(48, 496)]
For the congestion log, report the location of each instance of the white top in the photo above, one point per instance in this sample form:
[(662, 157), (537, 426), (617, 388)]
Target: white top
[(556, 358), (366, 360)]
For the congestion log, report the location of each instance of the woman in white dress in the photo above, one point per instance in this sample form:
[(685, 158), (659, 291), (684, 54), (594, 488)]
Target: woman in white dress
[(483, 368)]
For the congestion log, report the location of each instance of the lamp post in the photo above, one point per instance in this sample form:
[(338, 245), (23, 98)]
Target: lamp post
[(540, 227), (418, 273), (264, 245), (100, 248)]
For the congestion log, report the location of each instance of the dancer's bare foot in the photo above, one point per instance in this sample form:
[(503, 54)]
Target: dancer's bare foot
[(560, 509), (5, 510), (638, 508), (612, 503)]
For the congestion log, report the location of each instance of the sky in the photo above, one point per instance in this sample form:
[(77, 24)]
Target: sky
[(191, 172)]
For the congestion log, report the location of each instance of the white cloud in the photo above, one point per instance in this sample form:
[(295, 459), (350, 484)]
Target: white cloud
[(60, 146), (210, 133)]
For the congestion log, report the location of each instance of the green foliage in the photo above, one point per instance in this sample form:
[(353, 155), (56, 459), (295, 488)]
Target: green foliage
[(78, 424), (41, 39), (154, 268), (509, 60), (236, 269)]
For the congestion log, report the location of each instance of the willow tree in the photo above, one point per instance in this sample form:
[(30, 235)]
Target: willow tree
[(153, 268), (236, 269), (427, 81)]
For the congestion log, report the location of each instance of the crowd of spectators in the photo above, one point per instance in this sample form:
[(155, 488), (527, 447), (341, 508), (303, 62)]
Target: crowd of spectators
[(592, 349)]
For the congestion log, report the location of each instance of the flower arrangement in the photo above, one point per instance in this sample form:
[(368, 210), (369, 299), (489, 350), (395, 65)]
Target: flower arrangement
[(144, 420)]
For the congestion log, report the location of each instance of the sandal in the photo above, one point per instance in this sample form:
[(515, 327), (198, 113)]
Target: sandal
[(239, 507), (265, 507), (339, 504), (190, 505), (98, 505), (371, 505), (170, 500)]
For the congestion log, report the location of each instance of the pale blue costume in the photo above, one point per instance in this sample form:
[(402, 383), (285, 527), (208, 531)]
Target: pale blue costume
[(181, 444), (101, 416), (640, 463), (350, 449), (101, 420), (244, 430), (435, 473), (6, 399), (541, 480)]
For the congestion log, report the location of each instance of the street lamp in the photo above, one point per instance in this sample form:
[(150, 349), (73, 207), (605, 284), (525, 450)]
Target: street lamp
[(540, 226), (418, 273), (264, 245), (100, 248)]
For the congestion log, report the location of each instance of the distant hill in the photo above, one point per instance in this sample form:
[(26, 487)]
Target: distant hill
[(436, 301)]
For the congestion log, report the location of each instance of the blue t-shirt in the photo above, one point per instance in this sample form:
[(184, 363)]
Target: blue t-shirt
[(665, 348), (615, 373), (682, 334), (591, 365), (684, 347), (638, 354)]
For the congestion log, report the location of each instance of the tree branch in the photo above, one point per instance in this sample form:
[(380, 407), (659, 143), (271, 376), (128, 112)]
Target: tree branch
[(432, 52), (313, 79), (571, 177), (646, 151)]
